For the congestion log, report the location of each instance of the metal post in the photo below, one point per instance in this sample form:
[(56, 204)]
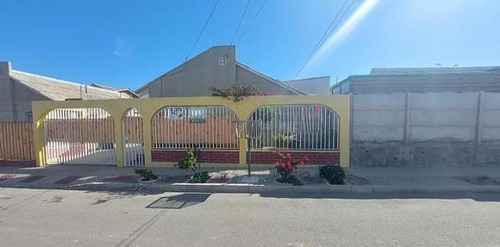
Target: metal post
[(249, 157)]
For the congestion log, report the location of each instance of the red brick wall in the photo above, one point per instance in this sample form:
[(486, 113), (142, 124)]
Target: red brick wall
[(203, 156), (315, 158)]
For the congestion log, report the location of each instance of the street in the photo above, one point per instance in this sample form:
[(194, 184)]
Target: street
[(79, 218)]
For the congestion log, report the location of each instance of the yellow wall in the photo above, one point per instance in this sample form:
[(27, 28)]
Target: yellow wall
[(148, 108)]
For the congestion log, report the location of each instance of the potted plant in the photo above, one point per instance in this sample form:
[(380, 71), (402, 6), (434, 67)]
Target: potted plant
[(147, 175), (285, 166)]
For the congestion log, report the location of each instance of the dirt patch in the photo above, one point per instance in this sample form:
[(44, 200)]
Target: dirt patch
[(480, 180), (312, 179), (355, 180)]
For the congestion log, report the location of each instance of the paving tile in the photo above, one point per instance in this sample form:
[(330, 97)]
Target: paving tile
[(5, 176), (32, 179), (67, 180)]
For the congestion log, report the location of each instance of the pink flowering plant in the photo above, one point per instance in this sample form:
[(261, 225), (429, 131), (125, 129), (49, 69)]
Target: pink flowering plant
[(285, 167)]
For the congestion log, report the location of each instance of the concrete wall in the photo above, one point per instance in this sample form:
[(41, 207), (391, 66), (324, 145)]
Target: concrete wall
[(317, 85), (15, 98), (425, 129)]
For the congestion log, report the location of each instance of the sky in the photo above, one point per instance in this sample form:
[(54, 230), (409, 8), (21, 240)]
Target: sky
[(128, 43)]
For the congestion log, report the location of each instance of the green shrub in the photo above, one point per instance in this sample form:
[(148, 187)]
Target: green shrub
[(235, 92), (146, 174), (188, 162), (333, 174), (200, 177)]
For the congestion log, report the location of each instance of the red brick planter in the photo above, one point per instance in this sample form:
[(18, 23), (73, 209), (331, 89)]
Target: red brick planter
[(203, 156)]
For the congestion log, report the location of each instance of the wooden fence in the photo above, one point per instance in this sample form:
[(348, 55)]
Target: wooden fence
[(80, 130), (16, 141), (214, 133)]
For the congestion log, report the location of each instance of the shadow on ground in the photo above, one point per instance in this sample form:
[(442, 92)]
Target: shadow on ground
[(179, 201)]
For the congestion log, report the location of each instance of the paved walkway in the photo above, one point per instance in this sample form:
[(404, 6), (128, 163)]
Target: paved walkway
[(410, 179)]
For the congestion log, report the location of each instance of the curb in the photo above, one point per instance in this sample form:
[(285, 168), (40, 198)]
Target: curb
[(327, 189)]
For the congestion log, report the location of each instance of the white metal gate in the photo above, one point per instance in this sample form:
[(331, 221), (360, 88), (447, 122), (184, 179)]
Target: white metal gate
[(311, 127), (133, 138), (79, 136)]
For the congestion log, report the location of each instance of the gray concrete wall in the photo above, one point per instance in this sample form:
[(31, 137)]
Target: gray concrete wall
[(425, 129), (15, 98), (316, 85), (424, 83)]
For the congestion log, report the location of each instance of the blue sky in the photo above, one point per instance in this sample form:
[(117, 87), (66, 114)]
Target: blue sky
[(128, 43)]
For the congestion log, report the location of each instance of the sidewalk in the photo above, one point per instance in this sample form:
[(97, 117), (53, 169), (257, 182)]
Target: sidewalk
[(374, 180)]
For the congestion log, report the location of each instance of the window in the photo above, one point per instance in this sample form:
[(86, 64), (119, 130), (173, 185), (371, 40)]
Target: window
[(223, 60)]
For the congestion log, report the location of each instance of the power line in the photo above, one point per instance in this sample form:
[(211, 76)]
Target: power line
[(251, 22), (203, 29), (327, 33), (239, 24)]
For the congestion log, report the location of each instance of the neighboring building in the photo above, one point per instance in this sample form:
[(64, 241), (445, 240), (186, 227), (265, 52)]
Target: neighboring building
[(18, 89), (422, 80), (316, 85), (129, 92), (217, 66)]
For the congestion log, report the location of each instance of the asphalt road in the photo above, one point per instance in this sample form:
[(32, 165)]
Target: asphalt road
[(78, 218)]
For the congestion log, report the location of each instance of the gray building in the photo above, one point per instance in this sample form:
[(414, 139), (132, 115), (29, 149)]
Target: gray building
[(218, 66), (18, 89), (422, 80), (126, 91), (316, 85)]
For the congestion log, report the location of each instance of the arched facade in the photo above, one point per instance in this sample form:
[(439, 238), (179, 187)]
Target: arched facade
[(149, 108)]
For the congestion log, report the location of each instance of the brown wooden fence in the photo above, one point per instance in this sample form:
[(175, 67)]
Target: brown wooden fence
[(80, 130), (16, 141), (215, 132)]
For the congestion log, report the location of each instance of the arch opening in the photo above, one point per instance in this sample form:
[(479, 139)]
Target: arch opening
[(201, 127), (79, 136), (301, 127), (133, 138)]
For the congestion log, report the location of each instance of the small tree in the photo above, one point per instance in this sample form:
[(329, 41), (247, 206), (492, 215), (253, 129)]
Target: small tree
[(235, 92), (190, 162)]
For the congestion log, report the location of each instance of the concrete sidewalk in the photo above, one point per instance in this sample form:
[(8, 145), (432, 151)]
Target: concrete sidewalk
[(379, 180)]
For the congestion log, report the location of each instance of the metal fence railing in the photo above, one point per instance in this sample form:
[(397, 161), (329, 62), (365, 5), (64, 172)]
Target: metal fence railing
[(79, 136), (206, 127), (311, 127), (133, 138)]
